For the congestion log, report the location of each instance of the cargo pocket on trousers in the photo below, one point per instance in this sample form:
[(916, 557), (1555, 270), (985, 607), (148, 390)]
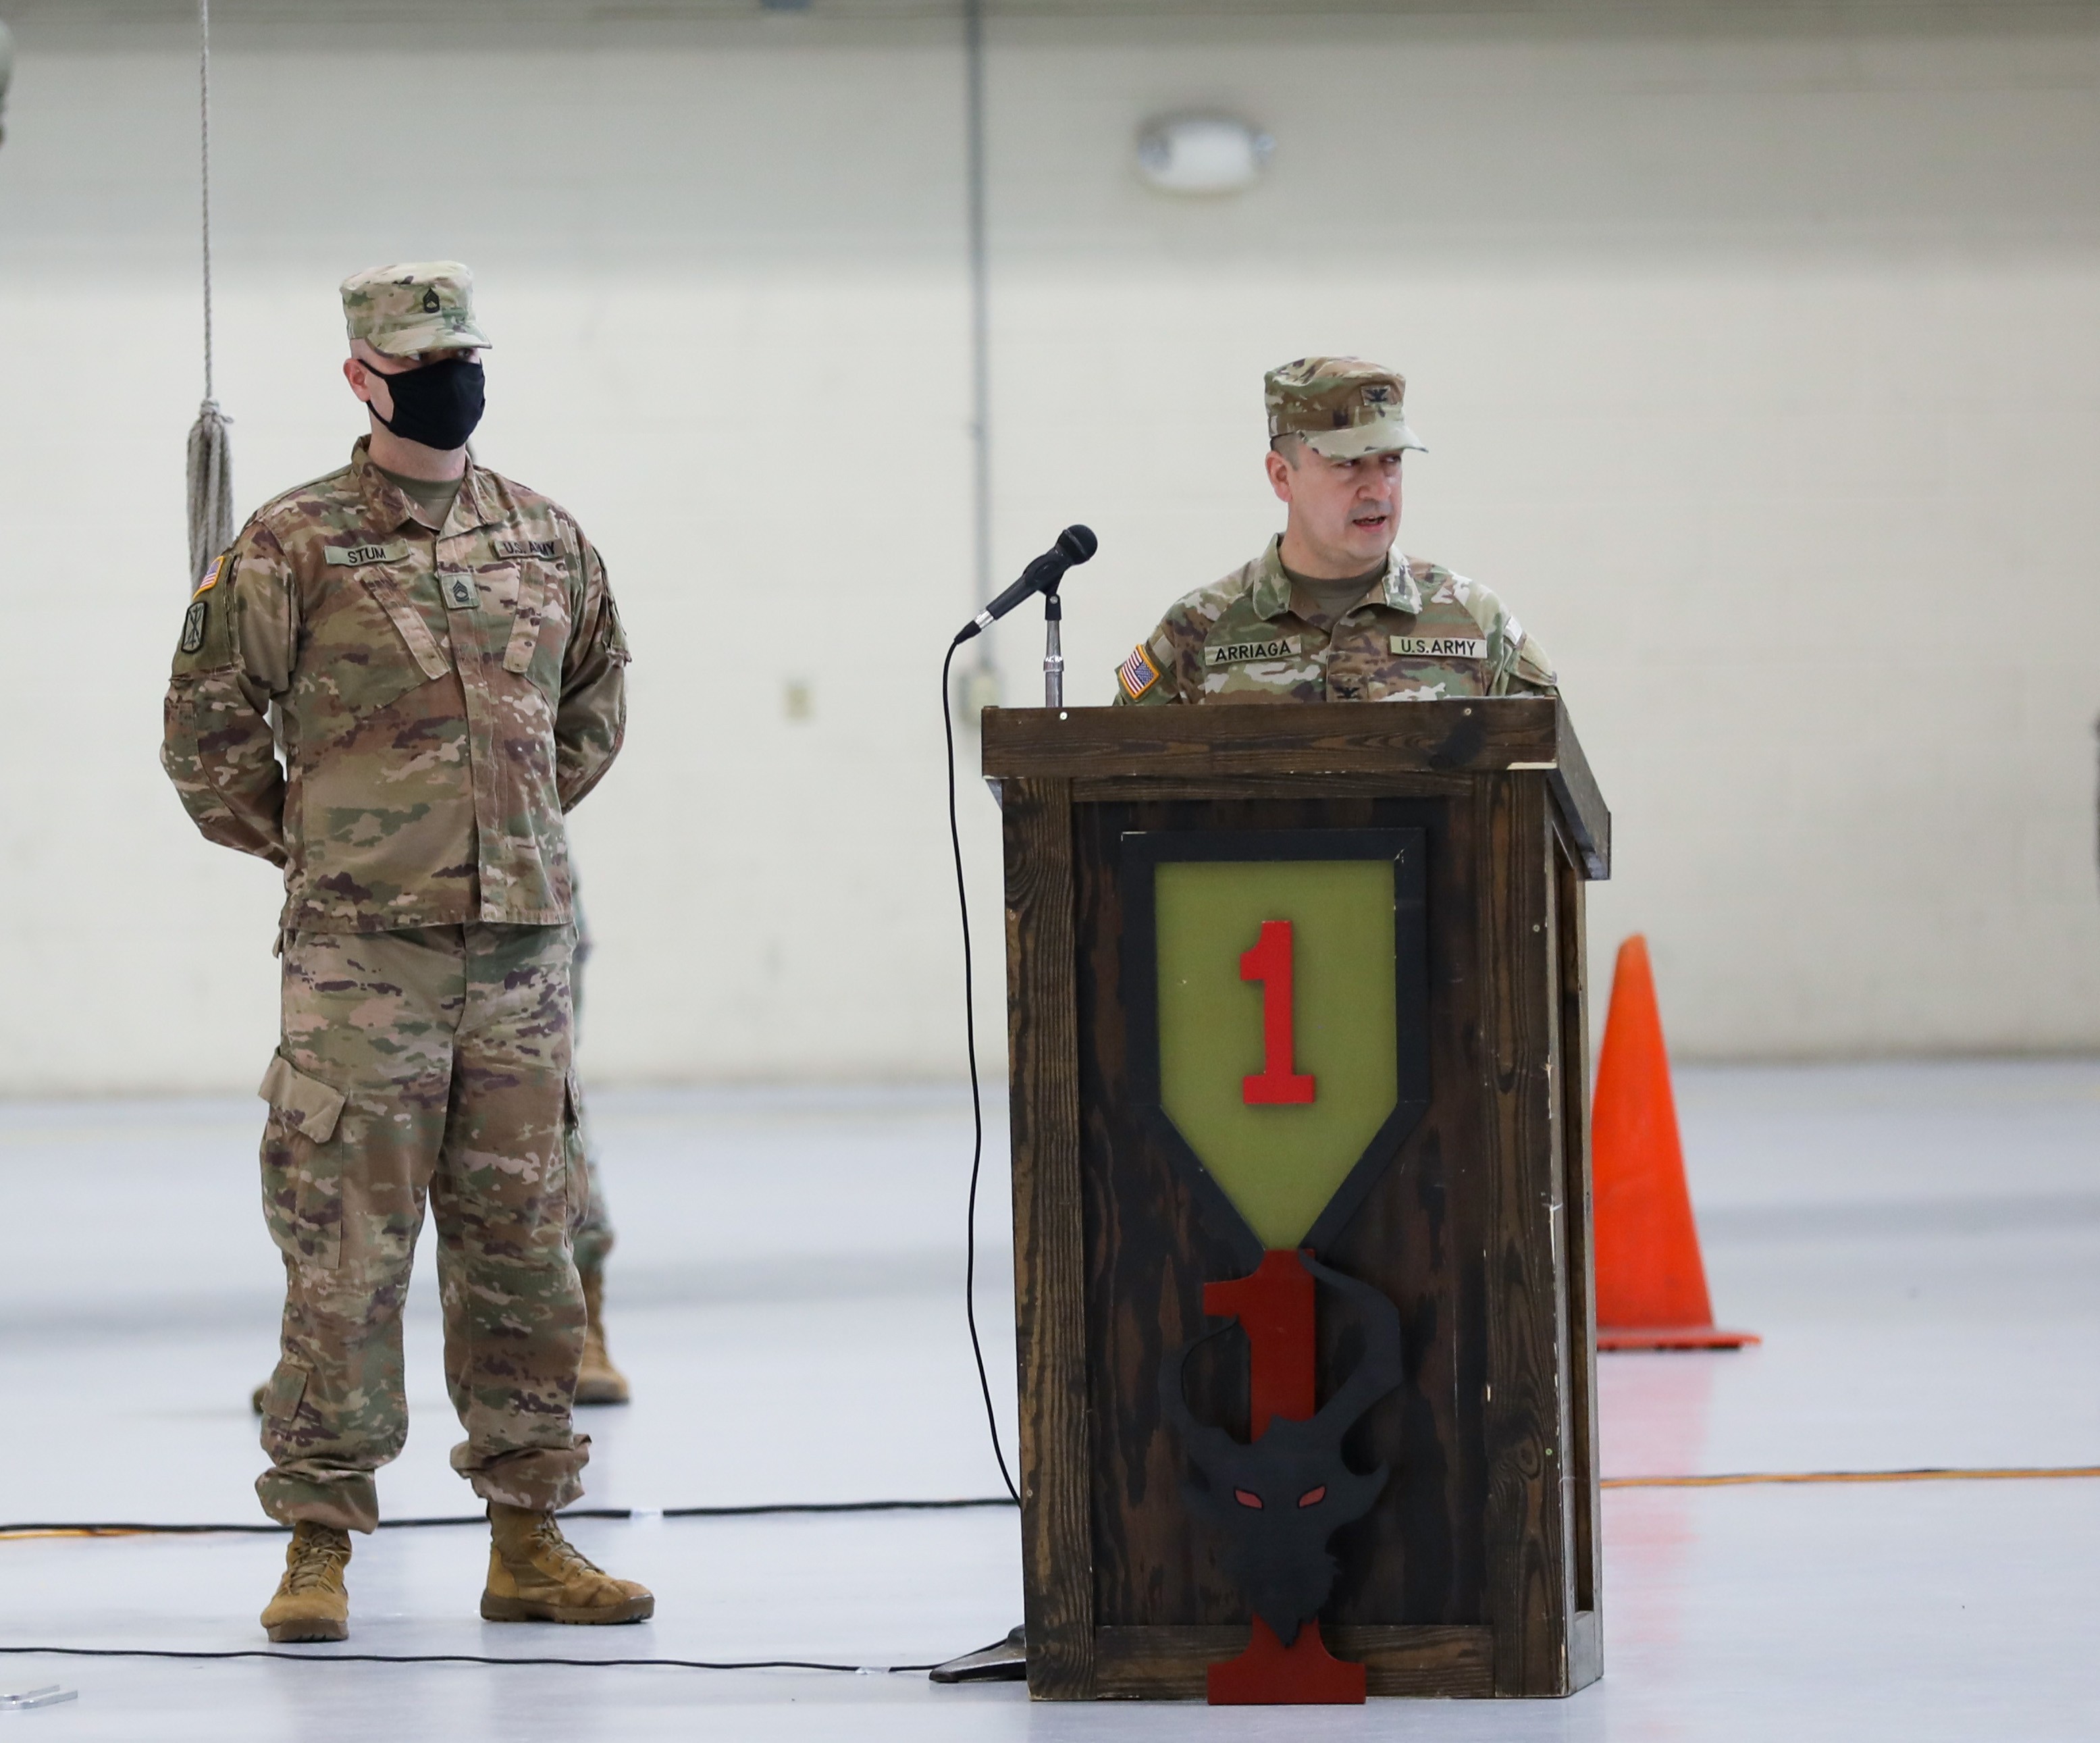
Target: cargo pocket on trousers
[(301, 1168), (288, 1386)]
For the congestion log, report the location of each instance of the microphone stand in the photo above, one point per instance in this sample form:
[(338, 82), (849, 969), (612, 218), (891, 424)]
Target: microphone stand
[(1053, 649)]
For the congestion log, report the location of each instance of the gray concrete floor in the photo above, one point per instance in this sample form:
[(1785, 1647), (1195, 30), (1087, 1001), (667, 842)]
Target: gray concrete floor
[(1919, 1244)]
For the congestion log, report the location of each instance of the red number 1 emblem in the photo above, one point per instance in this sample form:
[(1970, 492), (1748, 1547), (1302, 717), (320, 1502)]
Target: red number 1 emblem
[(1269, 963)]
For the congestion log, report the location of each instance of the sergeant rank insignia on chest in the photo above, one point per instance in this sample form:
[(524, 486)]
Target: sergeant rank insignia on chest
[(459, 592), (1440, 647)]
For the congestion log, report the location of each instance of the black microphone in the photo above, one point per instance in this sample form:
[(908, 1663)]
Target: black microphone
[(1074, 546)]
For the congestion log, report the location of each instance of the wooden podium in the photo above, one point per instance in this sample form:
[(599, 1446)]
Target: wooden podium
[(1145, 848)]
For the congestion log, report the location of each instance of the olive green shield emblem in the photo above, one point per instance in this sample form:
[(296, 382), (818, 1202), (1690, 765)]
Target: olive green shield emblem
[(1279, 1036)]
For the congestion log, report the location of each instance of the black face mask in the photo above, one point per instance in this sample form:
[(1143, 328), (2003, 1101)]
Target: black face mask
[(438, 405)]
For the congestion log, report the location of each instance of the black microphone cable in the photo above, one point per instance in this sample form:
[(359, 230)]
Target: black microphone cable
[(1075, 544), (976, 1093)]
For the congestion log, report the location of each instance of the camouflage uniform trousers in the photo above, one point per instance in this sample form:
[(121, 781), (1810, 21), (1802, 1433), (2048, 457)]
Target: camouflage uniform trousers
[(426, 1065)]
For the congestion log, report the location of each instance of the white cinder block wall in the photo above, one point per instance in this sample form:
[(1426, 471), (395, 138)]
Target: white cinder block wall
[(1757, 352)]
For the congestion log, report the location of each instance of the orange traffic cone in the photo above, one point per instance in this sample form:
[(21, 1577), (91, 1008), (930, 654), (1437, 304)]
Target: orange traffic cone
[(1650, 1283)]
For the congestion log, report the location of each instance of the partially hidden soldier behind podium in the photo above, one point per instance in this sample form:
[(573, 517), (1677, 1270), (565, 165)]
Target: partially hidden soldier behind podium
[(445, 669), (1332, 611)]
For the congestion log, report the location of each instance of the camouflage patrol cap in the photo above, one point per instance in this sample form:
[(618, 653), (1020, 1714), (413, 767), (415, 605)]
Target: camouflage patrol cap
[(1342, 407), (418, 305)]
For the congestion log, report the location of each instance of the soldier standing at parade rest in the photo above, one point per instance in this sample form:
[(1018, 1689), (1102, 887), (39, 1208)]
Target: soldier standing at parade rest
[(1332, 611), (445, 671)]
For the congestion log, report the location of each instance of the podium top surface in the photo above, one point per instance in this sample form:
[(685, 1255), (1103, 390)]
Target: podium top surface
[(1473, 735)]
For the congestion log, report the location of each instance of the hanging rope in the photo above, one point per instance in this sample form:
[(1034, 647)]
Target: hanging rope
[(7, 70), (210, 452)]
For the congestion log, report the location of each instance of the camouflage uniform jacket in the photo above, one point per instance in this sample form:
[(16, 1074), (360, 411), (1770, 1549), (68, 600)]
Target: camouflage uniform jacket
[(1420, 634), (442, 695)]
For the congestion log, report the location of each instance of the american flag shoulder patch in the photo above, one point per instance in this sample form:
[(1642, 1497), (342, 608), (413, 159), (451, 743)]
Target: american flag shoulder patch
[(211, 577), (1137, 674)]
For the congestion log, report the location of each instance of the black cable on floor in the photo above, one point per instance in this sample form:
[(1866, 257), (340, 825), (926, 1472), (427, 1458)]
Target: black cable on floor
[(587, 1663), (756, 1510), (831, 1507), (977, 1096)]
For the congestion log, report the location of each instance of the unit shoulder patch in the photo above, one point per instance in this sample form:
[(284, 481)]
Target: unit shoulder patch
[(1236, 653), (1137, 674), (193, 623), (1440, 647), (358, 554)]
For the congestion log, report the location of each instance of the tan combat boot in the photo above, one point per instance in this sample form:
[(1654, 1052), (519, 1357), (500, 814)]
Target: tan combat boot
[(597, 1381), (536, 1575), (310, 1604)]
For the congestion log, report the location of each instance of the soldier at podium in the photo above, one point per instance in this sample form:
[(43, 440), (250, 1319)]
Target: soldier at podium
[(1332, 611)]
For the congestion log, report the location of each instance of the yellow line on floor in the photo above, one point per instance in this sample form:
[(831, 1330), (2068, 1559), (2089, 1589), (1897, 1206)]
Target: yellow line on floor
[(71, 1531)]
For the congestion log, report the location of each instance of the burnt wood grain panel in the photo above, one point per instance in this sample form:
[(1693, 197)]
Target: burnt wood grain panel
[(1572, 947), (1170, 744), (1149, 1251), (1036, 820), (1315, 738), (1582, 804), (1169, 1663), (1528, 1552), (1403, 783), (1418, 1557), (1476, 1572)]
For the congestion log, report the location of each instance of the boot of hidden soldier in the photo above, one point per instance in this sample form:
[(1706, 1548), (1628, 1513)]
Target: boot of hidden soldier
[(536, 1575), (597, 1381), (312, 1603)]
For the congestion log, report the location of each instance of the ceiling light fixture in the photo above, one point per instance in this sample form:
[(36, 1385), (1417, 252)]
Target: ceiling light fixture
[(1202, 154)]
